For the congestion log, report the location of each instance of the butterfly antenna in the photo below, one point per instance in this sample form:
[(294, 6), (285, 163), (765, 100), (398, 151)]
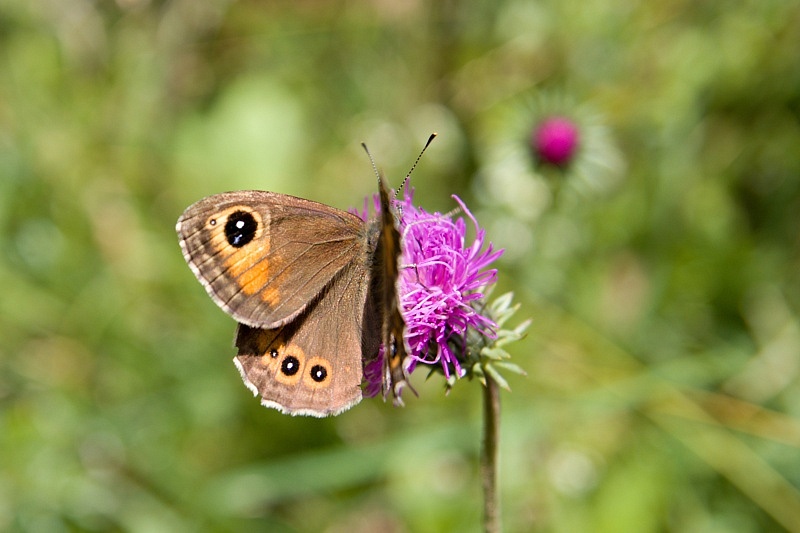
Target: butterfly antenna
[(372, 161), (408, 174)]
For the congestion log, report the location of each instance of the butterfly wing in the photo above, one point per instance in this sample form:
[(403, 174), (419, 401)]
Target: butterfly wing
[(313, 365), (385, 272), (263, 257)]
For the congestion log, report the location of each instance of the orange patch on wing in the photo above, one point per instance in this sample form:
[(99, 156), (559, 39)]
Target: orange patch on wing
[(247, 265), (216, 225), (253, 274), (292, 350), (308, 379), (269, 339), (220, 244), (250, 268), (271, 296), (268, 361)]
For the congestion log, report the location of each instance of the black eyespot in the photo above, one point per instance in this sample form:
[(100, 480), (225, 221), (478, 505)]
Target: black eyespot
[(240, 228), (290, 365), (319, 373), (273, 353)]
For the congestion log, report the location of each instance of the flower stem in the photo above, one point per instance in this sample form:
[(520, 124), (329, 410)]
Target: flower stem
[(489, 456)]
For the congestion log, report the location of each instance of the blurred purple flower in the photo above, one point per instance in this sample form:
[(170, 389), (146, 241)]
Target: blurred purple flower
[(555, 140), (373, 376), (441, 277)]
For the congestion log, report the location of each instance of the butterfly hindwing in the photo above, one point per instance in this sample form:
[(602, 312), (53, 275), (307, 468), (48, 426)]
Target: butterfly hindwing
[(313, 364)]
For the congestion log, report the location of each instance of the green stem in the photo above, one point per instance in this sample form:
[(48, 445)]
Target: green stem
[(489, 456)]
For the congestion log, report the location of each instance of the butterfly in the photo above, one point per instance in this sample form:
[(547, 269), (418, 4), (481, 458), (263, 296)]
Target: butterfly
[(313, 289)]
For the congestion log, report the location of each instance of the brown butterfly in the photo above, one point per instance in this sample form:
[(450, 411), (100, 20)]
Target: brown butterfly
[(313, 289)]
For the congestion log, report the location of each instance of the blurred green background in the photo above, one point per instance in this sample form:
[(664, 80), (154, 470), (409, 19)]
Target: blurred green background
[(660, 268)]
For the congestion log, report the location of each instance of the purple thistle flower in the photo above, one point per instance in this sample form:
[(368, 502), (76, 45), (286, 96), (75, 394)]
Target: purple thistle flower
[(373, 376), (555, 140), (441, 277)]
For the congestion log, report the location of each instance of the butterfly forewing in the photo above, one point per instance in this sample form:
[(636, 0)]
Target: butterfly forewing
[(263, 257)]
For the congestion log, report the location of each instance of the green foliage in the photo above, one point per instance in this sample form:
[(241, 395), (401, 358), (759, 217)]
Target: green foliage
[(661, 271), (492, 358)]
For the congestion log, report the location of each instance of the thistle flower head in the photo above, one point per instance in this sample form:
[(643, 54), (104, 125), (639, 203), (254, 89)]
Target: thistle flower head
[(555, 140), (443, 277)]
